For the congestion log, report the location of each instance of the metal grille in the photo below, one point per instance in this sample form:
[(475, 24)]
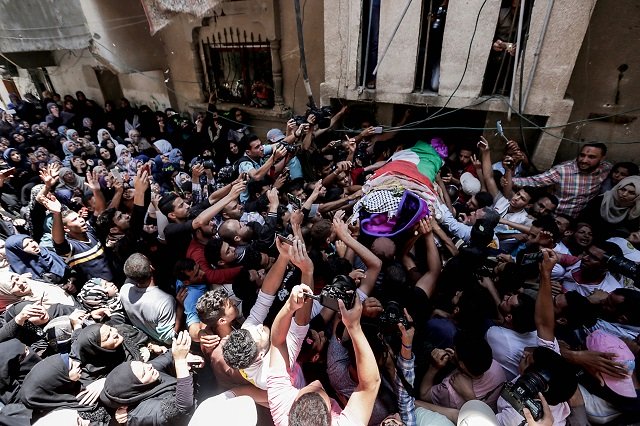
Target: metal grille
[(238, 67)]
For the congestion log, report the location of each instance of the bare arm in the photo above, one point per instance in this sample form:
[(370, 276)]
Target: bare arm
[(428, 281), (544, 315), (204, 217), (361, 403), (100, 204), (487, 170), (373, 263)]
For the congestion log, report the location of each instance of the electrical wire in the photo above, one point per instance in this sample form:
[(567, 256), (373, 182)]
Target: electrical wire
[(75, 25)]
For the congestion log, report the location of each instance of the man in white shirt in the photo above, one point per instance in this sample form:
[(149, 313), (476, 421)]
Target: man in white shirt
[(247, 349), (561, 378)]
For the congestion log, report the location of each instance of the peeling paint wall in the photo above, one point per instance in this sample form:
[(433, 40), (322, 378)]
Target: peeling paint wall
[(606, 80)]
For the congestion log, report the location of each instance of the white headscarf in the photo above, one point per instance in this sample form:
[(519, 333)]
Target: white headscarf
[(609, 208), (163, 146)]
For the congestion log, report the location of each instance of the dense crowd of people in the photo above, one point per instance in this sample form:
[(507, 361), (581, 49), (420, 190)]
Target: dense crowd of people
[(164, 269)]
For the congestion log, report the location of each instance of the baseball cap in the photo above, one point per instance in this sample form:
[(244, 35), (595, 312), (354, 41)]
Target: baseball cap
[(275, 135), (628, 250), (604, 342), (470, 184), (476, 413)]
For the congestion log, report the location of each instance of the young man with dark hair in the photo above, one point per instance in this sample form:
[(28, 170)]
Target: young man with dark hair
[(589, 272), (247, 349), (510, 206), (148, 308), (508, 340), (576, 181), (179, 232), (478, 375), (190, 279), (74, 239), (253, 163)]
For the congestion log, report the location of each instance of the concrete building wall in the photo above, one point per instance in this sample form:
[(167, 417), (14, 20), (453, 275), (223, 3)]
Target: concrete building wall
[(564, 34), (600, 88), (75, 71), (313, 29), (146, 88), (121, 36)]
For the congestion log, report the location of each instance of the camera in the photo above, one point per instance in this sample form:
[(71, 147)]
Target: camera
[(523, 393), (529, 258), (207, 163), (341, 288), (391, 316), (291, 149), (322, 114), (623, 266)]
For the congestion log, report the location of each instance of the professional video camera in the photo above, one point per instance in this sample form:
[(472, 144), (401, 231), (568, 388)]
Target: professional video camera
[(205, 162), (623, 266), (322, 114), (391, 316), (524, 392), (341, 288)]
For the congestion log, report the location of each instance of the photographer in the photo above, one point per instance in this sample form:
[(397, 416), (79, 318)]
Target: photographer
[(253, 162), (404, 380), (290, 405), (542, 368)]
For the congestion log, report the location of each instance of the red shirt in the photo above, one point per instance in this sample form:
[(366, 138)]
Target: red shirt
[(212, 276)]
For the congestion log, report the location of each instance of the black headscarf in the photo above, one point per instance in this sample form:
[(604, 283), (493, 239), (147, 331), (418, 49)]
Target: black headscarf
[(97, 361), (14, 367), (122, 387), (34, 335), (47, 387)]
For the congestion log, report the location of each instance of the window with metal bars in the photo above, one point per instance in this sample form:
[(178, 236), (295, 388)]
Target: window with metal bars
[(238, 67)]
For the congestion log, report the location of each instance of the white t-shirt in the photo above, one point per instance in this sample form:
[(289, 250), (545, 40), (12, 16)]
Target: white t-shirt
[(508, 416), (508, 346), (608, 284), (257, 372), (501, 205)]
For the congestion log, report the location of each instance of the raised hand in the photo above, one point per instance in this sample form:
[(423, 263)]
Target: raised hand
[(299, 256), (181, 345), (296, 298), (351, 317), (92, 181), (141, 180), (51, 203), (340, 227)]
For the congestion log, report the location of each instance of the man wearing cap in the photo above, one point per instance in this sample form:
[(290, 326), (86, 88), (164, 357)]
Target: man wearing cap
[(606, 396), (293, 164)]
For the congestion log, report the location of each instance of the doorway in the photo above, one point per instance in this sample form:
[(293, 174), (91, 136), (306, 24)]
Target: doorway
[(109, 84)]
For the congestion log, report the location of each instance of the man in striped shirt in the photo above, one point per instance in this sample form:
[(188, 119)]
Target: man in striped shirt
[(577, 181), (74, 239)]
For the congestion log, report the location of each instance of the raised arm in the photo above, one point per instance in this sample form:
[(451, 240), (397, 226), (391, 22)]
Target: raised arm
[(548, 178), (100, 204), (373, 263), (428, 281), (361, 403), (544, 314), (204, 217), (51, 203), (487, 171), (274, 277)]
